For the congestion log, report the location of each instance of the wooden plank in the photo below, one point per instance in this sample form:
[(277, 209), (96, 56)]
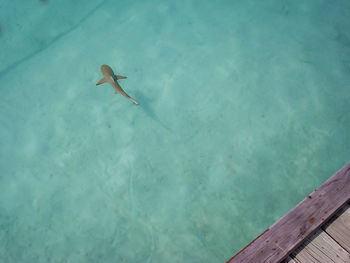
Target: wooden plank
[(320, 247), (289, 260), (277, 242), (339, 227)]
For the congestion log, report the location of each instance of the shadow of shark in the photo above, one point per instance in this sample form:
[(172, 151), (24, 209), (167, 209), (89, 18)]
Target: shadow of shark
[(146, 106)]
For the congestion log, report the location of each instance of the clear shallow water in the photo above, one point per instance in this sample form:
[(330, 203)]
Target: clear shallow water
[(244, 110)]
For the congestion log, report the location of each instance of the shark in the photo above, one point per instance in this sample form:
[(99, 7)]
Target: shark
[(108, 76)]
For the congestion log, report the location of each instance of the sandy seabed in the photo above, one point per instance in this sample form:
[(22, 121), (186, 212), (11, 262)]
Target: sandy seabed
[(244, 110)]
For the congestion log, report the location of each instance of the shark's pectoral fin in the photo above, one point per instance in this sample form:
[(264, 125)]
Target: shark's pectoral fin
[(103, 80), (120, 77)]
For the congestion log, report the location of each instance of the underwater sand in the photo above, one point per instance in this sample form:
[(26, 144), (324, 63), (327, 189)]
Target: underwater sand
[(244, 110)]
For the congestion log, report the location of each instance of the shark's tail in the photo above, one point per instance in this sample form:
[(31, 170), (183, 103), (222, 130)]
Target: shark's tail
[(127, 96), (134, 101)]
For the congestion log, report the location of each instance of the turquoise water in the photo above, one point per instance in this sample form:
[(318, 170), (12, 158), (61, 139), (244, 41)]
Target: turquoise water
[(244, 110)]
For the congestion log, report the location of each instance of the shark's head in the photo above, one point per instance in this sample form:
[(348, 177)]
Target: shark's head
[(107, 71)]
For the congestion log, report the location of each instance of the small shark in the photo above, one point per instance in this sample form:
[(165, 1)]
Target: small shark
[(112, 79)]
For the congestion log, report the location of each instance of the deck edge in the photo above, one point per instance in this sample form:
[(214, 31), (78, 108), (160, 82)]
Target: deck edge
[(300, 222)]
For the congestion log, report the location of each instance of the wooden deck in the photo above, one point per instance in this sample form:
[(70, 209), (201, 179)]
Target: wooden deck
[(330, 243), (316, 230)]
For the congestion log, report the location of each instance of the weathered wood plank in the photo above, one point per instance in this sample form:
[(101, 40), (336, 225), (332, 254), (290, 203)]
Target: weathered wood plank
[(277, 242), (289, 260), (320, 247), (339, 227)]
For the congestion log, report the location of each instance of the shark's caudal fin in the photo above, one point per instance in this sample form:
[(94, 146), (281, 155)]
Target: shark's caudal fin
[(103, 80), (134, 101), (120, 77)]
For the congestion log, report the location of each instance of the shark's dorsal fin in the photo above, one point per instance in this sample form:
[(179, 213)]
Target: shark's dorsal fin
[(103, 80), (120, 77)]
